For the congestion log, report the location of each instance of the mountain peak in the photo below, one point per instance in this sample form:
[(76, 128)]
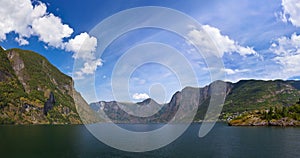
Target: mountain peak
[(240, 96), (147, 101)]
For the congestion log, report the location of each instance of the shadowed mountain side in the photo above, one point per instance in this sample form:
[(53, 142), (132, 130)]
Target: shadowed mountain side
[(241, 96), (181, 108)]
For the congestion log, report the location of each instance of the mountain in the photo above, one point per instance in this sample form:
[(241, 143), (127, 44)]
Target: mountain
[(258, 94), (245, 95), (33, 91)]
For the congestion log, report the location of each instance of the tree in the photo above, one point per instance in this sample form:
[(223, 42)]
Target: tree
[(270, 114), (271, 110), (285, 111)]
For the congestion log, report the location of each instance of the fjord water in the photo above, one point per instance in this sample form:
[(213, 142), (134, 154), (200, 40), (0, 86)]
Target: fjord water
[(222, 141)]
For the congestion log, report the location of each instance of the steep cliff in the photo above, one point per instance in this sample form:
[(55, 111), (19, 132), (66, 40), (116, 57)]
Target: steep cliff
[(28, 85), (245, 95)]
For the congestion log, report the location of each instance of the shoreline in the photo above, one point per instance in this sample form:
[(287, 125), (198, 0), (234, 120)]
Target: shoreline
[(283, 122)]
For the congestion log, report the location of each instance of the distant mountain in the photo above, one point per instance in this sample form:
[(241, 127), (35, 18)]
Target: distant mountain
[(245, 95), (33, 91)]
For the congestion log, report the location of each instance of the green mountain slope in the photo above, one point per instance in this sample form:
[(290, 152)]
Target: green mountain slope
[(258, 94), (26, 81)]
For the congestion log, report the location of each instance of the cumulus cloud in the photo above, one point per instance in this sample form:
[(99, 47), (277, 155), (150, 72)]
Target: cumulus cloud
[(287, 51), (21, 41), (51, 30), (223, 42), (83, 46), (140, 96), (17, 16), (91, 66), (26, 20), (291, 12), (285, 46)]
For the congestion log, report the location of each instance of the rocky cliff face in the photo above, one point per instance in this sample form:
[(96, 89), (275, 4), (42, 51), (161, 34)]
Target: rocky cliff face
[(49, 104), (241, 96), (30, 87), (188, 99)]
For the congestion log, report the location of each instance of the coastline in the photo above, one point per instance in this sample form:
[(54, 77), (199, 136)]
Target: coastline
[(283, 122)]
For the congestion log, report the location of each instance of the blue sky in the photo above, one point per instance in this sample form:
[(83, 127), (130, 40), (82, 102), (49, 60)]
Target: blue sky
[(256, 40)]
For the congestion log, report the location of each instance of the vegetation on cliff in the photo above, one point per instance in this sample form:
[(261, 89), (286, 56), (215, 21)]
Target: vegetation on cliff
[(274, 116), (247, 95), (26, 81), (243, 97)]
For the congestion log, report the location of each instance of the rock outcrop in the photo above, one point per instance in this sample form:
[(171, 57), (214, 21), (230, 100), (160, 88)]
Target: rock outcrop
[(33, 91), (49, 103)]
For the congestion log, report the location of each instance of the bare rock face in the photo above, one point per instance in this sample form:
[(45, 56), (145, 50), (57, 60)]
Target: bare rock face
[(189, 99), (18, 66), (49, 103)]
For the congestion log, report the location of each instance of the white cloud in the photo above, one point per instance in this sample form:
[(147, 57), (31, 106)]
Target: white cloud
[(234, 71), (140, 96), (17, 16), (26, 20), (287, 51), (223, 42), (291, 12), (51, 30), (83, 46), (21, 41), (91, 66), (285, 46)]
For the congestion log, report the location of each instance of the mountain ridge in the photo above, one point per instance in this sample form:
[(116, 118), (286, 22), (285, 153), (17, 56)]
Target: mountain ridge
[(244, 95), (29, 84)]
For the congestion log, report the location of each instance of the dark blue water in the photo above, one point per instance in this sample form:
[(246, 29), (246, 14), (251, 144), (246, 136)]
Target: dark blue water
[(222, 141)]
